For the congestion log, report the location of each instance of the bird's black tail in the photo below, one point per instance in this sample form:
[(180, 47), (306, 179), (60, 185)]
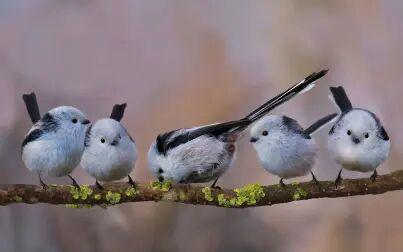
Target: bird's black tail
[(299, 88), (32, 107), (340, 98), (118, 112), (319, 124)]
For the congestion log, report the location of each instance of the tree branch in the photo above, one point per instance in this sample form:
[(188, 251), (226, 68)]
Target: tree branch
[(248, 196)]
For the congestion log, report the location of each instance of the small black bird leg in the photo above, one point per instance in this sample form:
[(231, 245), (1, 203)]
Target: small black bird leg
[(338, 179), (214, 185), (374, 176), (314, 180), (74, 182), (131, 182), (44, 186), (282, 183), (98, 185)]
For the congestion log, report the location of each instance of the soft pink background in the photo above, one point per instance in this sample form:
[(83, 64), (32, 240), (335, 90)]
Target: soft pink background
[(182, 63)]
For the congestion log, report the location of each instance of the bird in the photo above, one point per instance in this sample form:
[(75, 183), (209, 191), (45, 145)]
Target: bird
[(284, 148), (110, 152), (202, 154), (357, 141), (55, 143)]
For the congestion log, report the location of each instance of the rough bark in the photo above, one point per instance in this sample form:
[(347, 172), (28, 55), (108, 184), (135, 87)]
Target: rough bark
[(248, 196)]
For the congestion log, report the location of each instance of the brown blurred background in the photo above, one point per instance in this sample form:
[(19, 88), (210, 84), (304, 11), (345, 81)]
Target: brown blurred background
[(182, 63)]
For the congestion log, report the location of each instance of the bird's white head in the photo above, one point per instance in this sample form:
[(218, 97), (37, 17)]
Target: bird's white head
[(68, 119), (358, 128)]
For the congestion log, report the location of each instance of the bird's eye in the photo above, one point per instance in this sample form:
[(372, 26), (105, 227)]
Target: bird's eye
[(265, 133), (349, 132), (366, 135), (74, 120), (103, 140)]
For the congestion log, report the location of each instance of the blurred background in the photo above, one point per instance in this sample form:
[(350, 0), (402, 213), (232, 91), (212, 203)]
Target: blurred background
[(182, 63)]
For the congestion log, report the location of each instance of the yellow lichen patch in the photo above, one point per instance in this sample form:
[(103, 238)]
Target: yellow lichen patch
[(207, 193), (83, 193), (97, 197), (249, 194), (299, 194), (17, 198), (246, 196), (161, 186), (130, 192), (113, 198)]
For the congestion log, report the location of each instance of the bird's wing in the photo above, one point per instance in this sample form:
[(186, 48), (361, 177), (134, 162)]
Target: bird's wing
[(175, 138)]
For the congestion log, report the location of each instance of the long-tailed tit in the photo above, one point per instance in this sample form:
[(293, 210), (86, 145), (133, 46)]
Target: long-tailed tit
[(110, 152), (357, 141), (284, 148), (54, 145), (203, 154)]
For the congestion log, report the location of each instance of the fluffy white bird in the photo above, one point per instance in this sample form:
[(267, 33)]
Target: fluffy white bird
[(284, 148), (203, 154), (358, 141), (54, 145), (110, 153)]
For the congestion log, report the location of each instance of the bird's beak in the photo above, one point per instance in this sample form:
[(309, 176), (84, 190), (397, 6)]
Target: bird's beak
[(115, 141), (356, 140), (86, 121), (253, 140)]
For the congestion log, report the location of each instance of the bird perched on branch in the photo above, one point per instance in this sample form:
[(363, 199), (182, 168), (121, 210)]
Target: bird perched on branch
[(203, 154), (54, 145), (284, 148), (357, 141), (110, 152)]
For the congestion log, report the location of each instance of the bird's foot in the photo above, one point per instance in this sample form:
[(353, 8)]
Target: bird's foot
[(374, 176)]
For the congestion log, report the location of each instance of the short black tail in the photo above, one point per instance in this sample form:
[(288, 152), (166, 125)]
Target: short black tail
[(319, 124), (299, 88), (32, 107), (118, 111), (341, 99)]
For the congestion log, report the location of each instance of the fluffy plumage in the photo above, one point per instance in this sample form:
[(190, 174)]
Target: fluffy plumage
[(54, 145), (283, 147), (203, 154), (358, 141), (110, 152)]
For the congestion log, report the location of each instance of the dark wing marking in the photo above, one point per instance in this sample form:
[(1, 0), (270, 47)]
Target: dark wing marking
[(32, 136), (286, 95), (293, 126), (48, 123), (45, 125), (162, 141), (341, 98), (118, 111), (319, 124), (169, 140), (32, 107), (383, 134), (87, 136)]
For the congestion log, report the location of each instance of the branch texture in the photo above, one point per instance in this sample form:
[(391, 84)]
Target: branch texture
[(248, 196)]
